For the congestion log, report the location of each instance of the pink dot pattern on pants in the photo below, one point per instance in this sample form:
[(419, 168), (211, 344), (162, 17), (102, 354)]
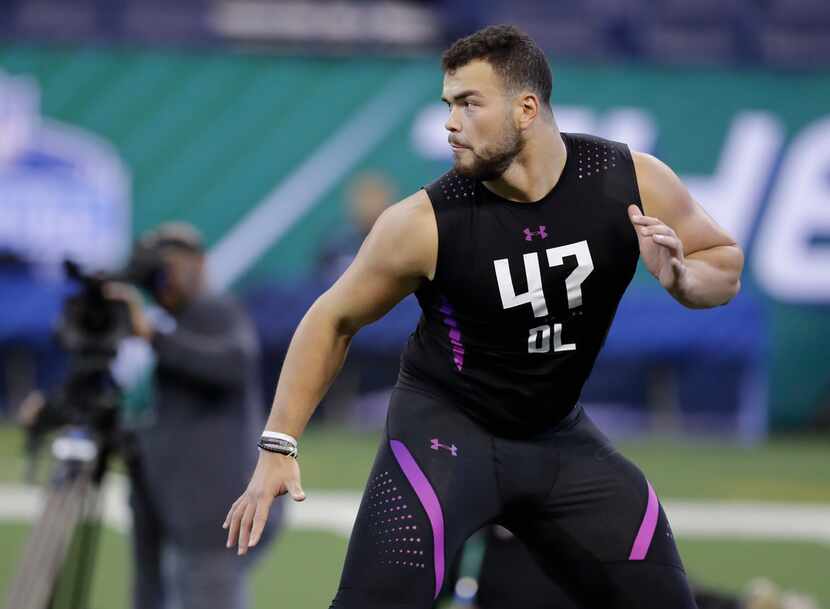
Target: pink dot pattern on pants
[(397, 537)]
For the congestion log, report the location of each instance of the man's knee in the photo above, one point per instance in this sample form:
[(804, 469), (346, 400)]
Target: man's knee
[(649, 585)]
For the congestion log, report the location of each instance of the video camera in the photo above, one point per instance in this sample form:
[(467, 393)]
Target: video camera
[(92, 324), (90, 329)]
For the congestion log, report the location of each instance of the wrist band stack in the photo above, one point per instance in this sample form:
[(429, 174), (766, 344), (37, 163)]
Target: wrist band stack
[(280, 443)]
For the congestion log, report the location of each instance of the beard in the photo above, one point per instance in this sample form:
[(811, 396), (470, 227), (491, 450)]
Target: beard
[(493, 160)]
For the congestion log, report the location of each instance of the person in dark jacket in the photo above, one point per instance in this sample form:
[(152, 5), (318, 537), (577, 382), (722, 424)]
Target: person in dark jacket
[(208, 412)]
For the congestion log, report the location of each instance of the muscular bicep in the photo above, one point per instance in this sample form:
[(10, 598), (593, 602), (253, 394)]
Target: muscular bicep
[(392, 262), (665, 197), (367, 290)]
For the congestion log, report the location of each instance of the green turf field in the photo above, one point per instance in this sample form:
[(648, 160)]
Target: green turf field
[(303, 567)]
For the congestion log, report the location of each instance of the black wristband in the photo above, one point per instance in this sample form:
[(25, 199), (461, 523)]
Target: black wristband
[(278, 446)]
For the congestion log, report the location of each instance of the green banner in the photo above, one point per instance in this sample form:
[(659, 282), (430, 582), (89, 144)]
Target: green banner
[(256, 151)]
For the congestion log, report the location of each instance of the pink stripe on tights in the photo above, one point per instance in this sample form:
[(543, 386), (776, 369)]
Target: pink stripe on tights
[(646, 532)]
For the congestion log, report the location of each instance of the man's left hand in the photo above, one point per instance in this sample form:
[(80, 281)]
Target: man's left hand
[(661, 250)]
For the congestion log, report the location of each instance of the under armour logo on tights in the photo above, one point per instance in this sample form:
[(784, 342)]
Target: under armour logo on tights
[(541, 233), (437, 445)]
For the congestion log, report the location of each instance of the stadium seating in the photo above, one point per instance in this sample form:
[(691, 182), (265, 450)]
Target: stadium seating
[(795, 33), (781, 33)]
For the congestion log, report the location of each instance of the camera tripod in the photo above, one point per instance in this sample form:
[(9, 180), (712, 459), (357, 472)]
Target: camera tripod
[(58, 561)]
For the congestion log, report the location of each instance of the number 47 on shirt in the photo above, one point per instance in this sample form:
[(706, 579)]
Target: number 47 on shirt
[(538, 340)]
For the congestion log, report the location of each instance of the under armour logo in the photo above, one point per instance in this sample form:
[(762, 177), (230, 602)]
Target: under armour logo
[(541, 233), (436, 445)]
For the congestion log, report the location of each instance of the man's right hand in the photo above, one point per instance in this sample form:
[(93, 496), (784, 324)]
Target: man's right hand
[(394, 260), (275, 475), (130, 296)]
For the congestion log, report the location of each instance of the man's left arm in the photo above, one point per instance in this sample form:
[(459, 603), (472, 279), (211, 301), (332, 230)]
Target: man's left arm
[(694, 258), (218, 358)]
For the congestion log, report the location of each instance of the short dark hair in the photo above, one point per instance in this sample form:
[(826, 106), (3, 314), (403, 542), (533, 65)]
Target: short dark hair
[(514, 55), (174, 235)]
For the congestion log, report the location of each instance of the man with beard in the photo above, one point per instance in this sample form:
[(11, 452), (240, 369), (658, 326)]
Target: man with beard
[(518, 258)]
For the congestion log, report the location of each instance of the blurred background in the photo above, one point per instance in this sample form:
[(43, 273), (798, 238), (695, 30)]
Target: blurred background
[(281, 129)]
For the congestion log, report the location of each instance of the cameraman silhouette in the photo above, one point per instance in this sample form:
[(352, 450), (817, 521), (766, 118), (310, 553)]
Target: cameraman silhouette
[(208, 414)]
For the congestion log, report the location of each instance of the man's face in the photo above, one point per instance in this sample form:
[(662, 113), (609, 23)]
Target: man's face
[(183, 277), (482, 132)]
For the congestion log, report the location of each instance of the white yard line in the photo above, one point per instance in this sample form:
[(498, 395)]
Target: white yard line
[(750, 520), (334, 511)]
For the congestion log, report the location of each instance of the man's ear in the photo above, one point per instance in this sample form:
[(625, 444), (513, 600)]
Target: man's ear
[(529, 109)]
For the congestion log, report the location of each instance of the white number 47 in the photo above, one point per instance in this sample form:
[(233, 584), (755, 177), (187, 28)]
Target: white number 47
[(539, 339)]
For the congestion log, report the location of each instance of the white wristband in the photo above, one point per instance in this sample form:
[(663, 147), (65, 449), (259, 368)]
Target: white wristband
[(279, 436)]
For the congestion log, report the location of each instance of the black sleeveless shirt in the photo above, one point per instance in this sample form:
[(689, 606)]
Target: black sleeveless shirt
[(524, 293)]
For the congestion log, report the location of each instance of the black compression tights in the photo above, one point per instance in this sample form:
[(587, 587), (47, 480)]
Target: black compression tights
[(586, 513)]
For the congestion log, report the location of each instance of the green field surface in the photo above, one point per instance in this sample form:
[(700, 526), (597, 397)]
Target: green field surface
[(302, 568)]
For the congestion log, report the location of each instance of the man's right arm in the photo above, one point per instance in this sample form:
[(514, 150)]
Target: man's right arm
[(399, 253), (393, 260)]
